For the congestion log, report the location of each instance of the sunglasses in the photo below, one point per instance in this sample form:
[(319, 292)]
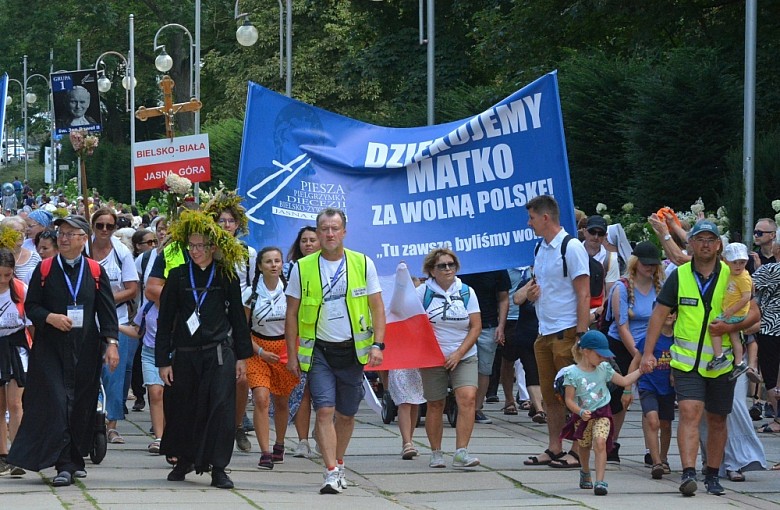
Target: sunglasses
[(445, 266), (596, 232), (105, 226), (759, 233), (150, 242)]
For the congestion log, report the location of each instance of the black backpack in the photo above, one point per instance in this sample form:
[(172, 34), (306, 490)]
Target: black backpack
[(596, 269)]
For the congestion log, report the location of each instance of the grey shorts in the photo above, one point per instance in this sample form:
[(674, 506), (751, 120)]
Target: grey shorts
[(717, 393), (436, 379), (661, 404), (486, 350), (341, 388)]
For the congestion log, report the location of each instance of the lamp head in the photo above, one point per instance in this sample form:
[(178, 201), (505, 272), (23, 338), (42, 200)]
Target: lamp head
[(246, 35), (163, 62)]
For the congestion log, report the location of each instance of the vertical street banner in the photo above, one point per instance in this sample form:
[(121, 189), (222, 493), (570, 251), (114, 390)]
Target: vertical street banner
[(463, 185), (3, 96), (76, 101)]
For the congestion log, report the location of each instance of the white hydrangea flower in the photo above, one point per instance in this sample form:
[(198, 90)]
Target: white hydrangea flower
[(721, 212), (776, 205), (607, 218), (178, 184), (698, 206), (600, 208), (628, 207), (777, 218)]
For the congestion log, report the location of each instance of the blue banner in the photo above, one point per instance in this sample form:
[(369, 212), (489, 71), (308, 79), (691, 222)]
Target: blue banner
[(463, 185), (3, 96)]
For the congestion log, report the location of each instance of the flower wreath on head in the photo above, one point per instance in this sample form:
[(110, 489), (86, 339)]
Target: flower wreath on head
[(9, 237), (229, 250), (229, 200)]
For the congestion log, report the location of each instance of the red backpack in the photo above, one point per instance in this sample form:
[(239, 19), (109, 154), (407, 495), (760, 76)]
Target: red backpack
[(19, 290), (94, 268)]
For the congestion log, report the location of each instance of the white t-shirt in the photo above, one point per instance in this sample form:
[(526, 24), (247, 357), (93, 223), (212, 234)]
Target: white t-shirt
[(143, 273), (613, 272), (10, 322), (241, 270), (119, 274), (556, 308), (333, 324), (449, 315), (267, 316)]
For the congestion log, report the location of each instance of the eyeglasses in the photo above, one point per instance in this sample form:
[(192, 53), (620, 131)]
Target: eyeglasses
[(596, 232), (226, 221), (150, 242), (445, 266), (199, 246), (69, 235), (706, 240), (759, 233), (105, 226)]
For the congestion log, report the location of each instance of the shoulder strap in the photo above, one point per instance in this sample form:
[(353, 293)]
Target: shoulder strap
[(45, 269), (145, 261), (465, 294), (427, 298), (94, 268), (564, 244)]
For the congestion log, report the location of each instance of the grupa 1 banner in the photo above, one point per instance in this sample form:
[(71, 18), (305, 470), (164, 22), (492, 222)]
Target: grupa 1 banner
[(463, 185)]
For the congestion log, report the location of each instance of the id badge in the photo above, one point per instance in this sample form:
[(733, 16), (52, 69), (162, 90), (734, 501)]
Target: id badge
[(76, 315), (193, 323)]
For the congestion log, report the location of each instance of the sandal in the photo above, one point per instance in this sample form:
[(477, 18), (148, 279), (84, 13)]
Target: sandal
[(735, 476), (63, 479), (540, 417), (154, 447), (667, 468), (510, 409), (534, 461), (600, 488), (114, 437), (525, 405), (754, 376), (409, 451), (767, 428), (776, 467), (657, 472), (561, 463), (585, 480), (172, 460)]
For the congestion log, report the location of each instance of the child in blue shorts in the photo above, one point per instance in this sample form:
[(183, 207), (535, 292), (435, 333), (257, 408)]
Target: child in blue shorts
[(656, 393)]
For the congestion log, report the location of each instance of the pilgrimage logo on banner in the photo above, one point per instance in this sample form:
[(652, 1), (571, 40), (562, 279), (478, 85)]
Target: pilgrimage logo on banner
[(3, 96), (463, 185)]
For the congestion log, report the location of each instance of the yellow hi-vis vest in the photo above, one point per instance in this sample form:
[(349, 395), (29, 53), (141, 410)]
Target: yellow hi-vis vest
[(174, 257), (311, 304), (692, 347)]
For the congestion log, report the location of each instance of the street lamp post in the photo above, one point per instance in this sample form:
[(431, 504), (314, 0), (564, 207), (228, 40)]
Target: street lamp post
[(164, 62), (28, 98), (128, 82), (9, 100), (246, 35)]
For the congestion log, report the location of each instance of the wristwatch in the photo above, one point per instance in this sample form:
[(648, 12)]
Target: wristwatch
[(379, 345), (667, 237), (112, 341)]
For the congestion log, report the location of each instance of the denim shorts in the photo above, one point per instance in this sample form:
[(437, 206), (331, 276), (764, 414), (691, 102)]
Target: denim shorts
[(151, 372), (341, 388), (486, 350)]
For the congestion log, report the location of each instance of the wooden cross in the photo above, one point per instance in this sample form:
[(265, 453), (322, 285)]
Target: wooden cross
[(169, 110)]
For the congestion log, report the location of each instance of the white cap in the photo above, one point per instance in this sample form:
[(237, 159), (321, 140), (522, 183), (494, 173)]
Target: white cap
[(735, 251)]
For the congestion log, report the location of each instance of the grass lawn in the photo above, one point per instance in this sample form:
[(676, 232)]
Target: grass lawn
[(34, 174)]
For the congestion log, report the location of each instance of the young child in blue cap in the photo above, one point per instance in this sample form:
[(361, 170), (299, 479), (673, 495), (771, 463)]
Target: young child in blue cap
[(587, 397)]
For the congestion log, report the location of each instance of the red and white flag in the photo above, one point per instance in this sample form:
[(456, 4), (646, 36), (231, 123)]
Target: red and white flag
[(409, 338)]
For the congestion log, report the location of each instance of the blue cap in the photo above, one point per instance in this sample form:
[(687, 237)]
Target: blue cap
[(596, 341), (704, 226)]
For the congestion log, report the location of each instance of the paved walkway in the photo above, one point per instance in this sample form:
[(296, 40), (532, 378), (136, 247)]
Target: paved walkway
[(131, 478)]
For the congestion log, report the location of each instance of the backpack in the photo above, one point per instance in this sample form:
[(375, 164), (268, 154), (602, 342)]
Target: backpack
[(94, 268), (606, 318), (597, 272), (20, 291), (465, 294)]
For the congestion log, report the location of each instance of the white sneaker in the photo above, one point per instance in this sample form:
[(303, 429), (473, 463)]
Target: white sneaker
[(463, 459), (331, 484), (342, 476), (303, 450), (437, 459)]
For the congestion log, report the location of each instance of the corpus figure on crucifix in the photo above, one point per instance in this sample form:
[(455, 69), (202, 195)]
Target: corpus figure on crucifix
[(168, 109)]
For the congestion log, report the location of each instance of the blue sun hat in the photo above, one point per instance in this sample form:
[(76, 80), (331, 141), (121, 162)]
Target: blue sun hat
[(596, 341)]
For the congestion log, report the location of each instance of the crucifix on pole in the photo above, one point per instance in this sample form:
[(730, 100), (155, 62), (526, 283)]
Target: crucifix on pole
[(169, 109)]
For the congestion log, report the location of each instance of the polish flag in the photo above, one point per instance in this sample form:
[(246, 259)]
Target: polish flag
[(409, 338)]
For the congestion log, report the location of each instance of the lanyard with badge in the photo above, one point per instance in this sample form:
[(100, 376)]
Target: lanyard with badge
[(75, 312), (703, 288), (335, 312), (193, 323)]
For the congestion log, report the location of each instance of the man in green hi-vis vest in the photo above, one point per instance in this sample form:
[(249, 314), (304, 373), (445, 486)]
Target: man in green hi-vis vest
[(696, 290), (334, 306)]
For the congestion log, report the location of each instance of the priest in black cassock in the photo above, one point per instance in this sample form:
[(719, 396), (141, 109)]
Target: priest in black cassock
[(199, 358), (60, 399)]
